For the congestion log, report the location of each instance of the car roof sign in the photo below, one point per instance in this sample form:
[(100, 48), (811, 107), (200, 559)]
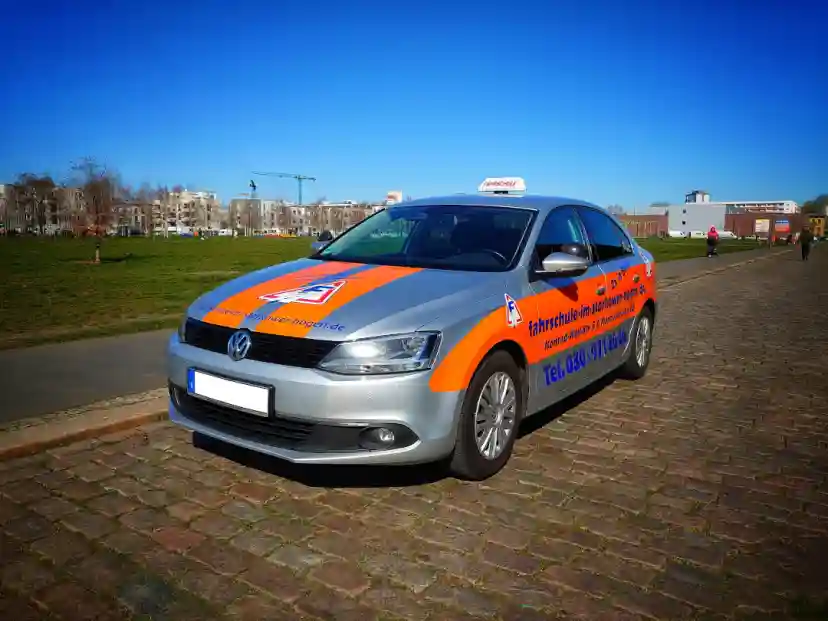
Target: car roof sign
[(503, 185)]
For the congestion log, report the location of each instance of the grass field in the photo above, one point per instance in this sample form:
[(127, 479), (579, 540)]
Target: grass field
[(49, 291)]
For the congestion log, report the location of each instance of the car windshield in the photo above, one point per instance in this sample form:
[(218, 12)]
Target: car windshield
[(450, 237)]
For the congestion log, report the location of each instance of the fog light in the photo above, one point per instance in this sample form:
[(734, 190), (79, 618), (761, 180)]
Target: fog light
[(385, 436), (375, 438)]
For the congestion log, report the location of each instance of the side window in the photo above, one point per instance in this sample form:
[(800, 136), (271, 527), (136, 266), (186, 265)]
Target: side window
[(560, 231), (606, 237)]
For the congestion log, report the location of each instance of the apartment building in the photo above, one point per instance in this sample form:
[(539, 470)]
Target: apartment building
[(186, 211), (256, 216), (61, 210)]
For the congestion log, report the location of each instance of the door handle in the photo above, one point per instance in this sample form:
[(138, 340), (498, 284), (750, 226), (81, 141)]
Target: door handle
[(636, 278), (601, 290)]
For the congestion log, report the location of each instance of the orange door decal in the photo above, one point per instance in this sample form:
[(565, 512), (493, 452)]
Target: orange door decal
[(573, 319)]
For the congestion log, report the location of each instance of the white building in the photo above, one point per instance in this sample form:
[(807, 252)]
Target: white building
[(698, 196), (698, 213)]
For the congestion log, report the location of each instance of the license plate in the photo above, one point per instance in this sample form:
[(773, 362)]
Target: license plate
[(240, 395)]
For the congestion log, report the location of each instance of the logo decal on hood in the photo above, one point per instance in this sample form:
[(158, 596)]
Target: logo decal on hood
[(513, 316), (311, 294)]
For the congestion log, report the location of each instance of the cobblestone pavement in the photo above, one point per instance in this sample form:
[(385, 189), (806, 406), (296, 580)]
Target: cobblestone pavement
[(699, 492)]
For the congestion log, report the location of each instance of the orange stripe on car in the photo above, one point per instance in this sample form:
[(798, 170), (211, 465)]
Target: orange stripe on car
[(297, 319), (232, 311)]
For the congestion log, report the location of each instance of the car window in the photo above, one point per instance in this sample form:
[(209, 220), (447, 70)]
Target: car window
[(560, 231), (452, 237), (607, 239)]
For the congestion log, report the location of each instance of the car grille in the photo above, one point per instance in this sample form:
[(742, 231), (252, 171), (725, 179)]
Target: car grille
[(286, 350), (275, 431)]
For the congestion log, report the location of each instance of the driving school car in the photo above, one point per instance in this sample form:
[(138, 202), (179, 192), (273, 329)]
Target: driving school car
[(428, 331)]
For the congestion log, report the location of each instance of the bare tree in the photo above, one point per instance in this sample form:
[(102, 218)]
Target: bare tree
[(12, 209), (253, 215), (39, 195), (98, 195), (144, 206), (5, 209), (162, 195), (318, 221)]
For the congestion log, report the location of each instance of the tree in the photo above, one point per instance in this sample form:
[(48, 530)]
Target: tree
[(318, 217), (98, 186), (162, 195), (617, 210), (12, 212), (144, 205), (660, 204), (816, 206), (38, 194)]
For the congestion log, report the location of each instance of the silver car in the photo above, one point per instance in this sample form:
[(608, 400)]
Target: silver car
[(428, 331)]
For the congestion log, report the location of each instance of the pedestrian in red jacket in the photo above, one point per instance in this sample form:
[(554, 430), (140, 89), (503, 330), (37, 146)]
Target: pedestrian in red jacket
[(712, 241)]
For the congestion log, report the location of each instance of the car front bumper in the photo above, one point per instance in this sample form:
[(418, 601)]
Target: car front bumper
[(317, 417)]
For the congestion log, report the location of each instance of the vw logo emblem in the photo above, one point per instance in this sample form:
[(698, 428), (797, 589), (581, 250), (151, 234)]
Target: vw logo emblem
[(238, 345)]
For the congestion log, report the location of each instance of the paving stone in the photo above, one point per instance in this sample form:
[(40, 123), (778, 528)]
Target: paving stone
[(62, 547), (19, 608), (275, 580), (90, 525), (25, 492), (215, 524), (29, 528), (112, 504), (72, 601), (53, 507), (177, 538), (256, 542)]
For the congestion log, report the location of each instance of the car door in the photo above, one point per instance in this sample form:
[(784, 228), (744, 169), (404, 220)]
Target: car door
[(562, 311), (614, 254)]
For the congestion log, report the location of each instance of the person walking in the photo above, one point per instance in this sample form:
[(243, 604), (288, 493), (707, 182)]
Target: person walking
[(806, 238), (712, 241)]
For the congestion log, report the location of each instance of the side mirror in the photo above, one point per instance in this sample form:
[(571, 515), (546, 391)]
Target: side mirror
[(564, 264), (318, 245)]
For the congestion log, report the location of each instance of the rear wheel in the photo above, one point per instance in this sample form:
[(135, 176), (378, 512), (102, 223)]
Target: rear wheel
[(641, 346), (489, 418)]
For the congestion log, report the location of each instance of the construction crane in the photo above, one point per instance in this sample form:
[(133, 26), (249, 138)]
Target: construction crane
[(300, 179)]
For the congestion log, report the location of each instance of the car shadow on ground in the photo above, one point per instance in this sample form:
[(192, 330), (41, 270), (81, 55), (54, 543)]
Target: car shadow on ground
[(377, 476)]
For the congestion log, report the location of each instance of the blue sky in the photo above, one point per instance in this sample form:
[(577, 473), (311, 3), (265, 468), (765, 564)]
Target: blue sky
[(620, 101)]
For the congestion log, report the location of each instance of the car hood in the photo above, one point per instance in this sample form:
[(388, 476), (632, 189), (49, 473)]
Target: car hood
[(333, 300)]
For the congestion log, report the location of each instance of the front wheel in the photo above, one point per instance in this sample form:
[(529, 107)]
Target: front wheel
[(489, 418), (641, 346)]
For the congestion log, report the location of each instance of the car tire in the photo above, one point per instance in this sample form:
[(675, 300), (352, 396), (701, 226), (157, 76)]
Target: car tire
[(468, 461), (641, 345)]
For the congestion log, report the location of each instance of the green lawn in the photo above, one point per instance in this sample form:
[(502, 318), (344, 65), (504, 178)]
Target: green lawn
[(49, 291), (674, 249)]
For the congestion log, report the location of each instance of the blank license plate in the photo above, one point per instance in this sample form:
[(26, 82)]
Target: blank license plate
[(253, 399)]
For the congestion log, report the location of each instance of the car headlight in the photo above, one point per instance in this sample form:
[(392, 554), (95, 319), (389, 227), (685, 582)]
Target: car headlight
[(402, 353)]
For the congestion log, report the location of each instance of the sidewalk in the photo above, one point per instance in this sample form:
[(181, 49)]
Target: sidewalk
[(51, 378)]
